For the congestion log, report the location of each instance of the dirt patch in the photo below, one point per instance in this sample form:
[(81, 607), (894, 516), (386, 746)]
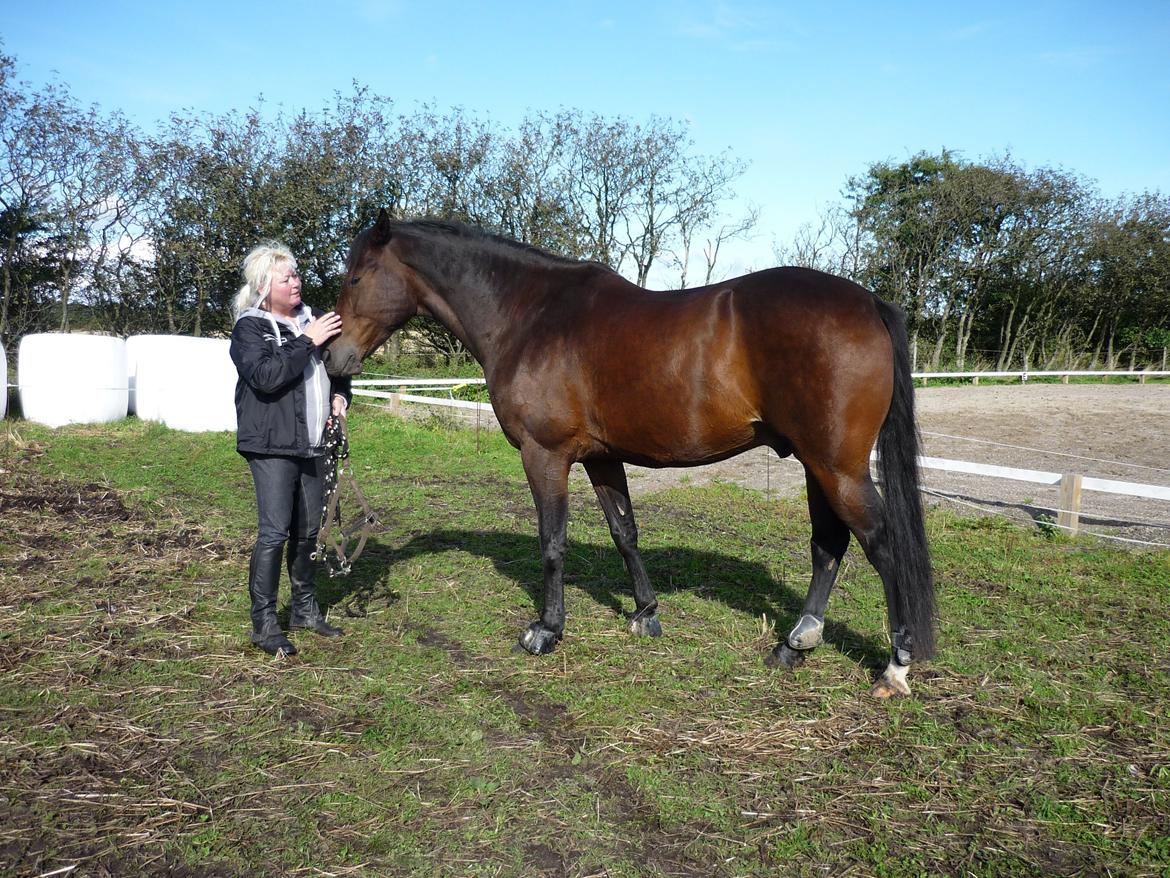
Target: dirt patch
[(93, 502), (49, 519)]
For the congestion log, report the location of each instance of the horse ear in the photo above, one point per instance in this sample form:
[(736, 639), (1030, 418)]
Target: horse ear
[(381, 228)]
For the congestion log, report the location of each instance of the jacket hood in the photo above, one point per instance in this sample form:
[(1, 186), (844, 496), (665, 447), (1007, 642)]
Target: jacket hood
[(303, 315)]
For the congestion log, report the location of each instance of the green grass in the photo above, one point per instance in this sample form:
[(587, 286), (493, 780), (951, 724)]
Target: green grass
[(140, 733)]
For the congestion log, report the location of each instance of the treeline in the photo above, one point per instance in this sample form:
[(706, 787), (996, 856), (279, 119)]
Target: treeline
[(108, 227), (1004, 267), (128, 231)]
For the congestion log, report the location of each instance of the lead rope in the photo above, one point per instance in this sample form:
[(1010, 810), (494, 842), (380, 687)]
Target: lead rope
[(338, 471)]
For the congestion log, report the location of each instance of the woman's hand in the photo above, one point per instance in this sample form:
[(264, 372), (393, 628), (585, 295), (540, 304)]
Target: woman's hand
[(339, 406), (324, 328)]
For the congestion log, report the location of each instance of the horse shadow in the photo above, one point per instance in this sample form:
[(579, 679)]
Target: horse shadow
[(744, 586)]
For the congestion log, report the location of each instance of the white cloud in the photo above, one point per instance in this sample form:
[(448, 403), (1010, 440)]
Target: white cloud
[(741, 28), (970, 32), (1078, 58), (378, 10)]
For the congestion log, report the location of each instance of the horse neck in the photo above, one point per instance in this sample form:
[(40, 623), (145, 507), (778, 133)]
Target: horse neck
[(471, 291)]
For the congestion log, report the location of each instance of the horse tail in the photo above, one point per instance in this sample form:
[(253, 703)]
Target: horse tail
[(898, 448)]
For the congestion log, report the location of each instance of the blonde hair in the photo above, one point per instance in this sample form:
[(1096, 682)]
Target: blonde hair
[(259, 265)]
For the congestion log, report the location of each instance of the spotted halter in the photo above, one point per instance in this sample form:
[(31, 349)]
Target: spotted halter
[(338, 547)]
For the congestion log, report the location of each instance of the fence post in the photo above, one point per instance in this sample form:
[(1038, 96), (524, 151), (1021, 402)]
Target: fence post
[(395, 404), (1069, 516)]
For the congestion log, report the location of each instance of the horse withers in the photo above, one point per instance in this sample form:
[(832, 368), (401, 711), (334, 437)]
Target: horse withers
[(584, 366)]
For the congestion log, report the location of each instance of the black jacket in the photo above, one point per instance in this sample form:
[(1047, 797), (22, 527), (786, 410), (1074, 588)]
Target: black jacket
[(283, 393)]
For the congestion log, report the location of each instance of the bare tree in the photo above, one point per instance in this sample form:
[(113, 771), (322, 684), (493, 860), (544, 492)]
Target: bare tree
[(834, 243), (26, 188)]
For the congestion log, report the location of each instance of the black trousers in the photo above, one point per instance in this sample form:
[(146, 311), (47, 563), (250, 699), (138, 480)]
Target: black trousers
[(288, 497)]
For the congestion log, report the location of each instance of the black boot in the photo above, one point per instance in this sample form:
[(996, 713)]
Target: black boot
[(263, 581), (306, 613)]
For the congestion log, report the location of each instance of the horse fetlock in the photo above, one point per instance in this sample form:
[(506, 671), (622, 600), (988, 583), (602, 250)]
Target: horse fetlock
[(645, 624), (539, 640), (903, 645), (808, 633)]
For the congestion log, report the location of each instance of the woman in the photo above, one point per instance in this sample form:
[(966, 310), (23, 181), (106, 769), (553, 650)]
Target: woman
[(283, 399)]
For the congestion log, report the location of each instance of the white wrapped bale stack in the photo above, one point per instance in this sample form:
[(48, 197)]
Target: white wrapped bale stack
[(72, 378), (186, 383)]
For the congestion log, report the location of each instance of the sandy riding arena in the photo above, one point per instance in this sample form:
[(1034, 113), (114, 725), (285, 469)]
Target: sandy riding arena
[(1105, 430)]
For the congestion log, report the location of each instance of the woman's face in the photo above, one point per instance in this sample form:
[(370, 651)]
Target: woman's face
[(284, 295)]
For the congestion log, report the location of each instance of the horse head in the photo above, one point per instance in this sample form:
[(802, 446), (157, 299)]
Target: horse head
[(377, 298)]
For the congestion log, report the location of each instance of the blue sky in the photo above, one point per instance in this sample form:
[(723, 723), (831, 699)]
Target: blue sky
[(809, 94)]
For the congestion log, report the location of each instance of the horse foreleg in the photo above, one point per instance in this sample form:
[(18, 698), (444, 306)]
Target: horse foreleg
[(613, 493), (548, 478), (830, 539)]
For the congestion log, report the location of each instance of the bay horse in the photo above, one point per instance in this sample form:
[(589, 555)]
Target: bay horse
[(584, 366)]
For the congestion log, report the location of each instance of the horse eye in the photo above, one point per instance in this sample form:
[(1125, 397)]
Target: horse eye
[(354, 281)]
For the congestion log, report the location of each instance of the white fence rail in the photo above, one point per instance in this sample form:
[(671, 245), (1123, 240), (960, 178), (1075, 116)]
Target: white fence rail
[(1022, 374), (417, 382), (1062, 374), (1038, 477), (396, 398), (1071, 485)]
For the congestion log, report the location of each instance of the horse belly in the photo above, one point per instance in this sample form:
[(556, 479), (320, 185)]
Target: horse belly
[(664, 430)]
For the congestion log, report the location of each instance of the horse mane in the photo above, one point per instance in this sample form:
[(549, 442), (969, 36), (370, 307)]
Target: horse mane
[(491, 244)]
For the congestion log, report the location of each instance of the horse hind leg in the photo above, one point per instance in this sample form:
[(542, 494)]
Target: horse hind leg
[(858, 503), (613, 493), (830, 539)]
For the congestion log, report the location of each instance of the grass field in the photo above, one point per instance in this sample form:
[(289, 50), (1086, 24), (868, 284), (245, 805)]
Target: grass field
[(141, 734)]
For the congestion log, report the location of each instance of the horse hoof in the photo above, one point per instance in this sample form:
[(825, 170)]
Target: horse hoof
[(809, 633), (538, 640), (646, 626), (891, 684), (784, 656), (883, 689)]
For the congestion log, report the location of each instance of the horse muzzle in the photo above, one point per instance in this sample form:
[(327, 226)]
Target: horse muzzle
[(341, 359)]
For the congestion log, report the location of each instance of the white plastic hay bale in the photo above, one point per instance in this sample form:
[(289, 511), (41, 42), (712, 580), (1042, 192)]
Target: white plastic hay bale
[(153, 349), (133, 344), (184, 382), (72, 378)]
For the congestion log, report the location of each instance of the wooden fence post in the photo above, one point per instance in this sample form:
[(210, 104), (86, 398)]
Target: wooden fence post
[(1069, 516)]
